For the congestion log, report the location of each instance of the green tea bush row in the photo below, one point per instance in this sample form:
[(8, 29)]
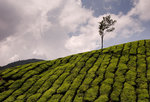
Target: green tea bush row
[(141, 64), (91, 93), (131, 77), (104, 92), (119, 48), (88, 65), (16, 84), (66, 65), (50, 81), (90, 75), (14, 71), (85, 70), (56, 87), (88, 54), (5, 94), (148, 47), (48, 93), (96, 65), (141, 50), (106, 80), (2, 82), (122, 68), (119, 79), (141, 43), (73, 58), (89, 61), (73, 88), (55, 98), (148, 68), (35, 71), (106, 50), (65, 84), (38, 84), (143, 95), (112, 67), (101, 71), (117, 88), (124, 59), (7, 70), (66, 60), (25, 70), (134, 46), (57, 62), (33, 98), (126, 49), (141, 81), (128, 94), (132, 63), (26, 85), (106, 84)]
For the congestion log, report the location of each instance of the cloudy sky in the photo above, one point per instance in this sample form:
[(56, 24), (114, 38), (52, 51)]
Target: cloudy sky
[(48, 29)]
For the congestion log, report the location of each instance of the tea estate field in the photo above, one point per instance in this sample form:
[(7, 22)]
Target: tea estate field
[(118, 73)]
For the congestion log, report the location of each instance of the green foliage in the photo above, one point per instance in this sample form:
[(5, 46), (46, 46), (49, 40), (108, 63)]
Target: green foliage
[(109, 75), (68, 96), (91, 93), (126, 49), (128, 94), (130, 75), (134, 47), (143, 95), (122, 68), (120, 74), (2, 82), (147, 48), (111, 67), (102, 98), (5, 94), (105, 89), (55, 98), (124, 59), (117, 88), (34, 97), (108, 81), (97, 80), (141, 50)]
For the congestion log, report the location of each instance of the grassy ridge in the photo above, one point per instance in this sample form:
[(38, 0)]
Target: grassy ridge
[(121, 73)]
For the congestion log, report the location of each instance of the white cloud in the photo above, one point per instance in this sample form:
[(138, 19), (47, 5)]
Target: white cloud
[(89, 39), (45, 25), (39, 34), (141, 9), (73, 15)]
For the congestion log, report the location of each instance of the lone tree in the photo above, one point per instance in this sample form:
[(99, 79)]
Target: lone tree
[(106, 26)]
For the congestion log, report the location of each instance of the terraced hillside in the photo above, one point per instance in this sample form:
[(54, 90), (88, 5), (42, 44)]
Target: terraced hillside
[(118, 73)]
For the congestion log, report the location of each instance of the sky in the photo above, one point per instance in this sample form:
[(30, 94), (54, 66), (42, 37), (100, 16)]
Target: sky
[(49, 29)]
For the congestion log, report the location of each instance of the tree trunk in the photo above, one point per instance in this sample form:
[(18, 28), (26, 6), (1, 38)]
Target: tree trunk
[(102, 42)]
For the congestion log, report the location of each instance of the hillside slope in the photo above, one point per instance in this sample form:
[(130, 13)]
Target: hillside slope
[(20, 62), (120, 73)]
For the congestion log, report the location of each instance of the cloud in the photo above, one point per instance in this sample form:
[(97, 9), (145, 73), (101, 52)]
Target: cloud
[(40, 29), (43, 28), (141, 9), (9, 19), (89, 39)]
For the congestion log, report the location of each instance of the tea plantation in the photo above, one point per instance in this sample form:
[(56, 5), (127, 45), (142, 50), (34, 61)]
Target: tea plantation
[(118, 73)]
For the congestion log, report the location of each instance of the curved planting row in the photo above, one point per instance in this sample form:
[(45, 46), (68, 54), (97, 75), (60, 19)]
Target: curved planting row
[(114, 74)]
